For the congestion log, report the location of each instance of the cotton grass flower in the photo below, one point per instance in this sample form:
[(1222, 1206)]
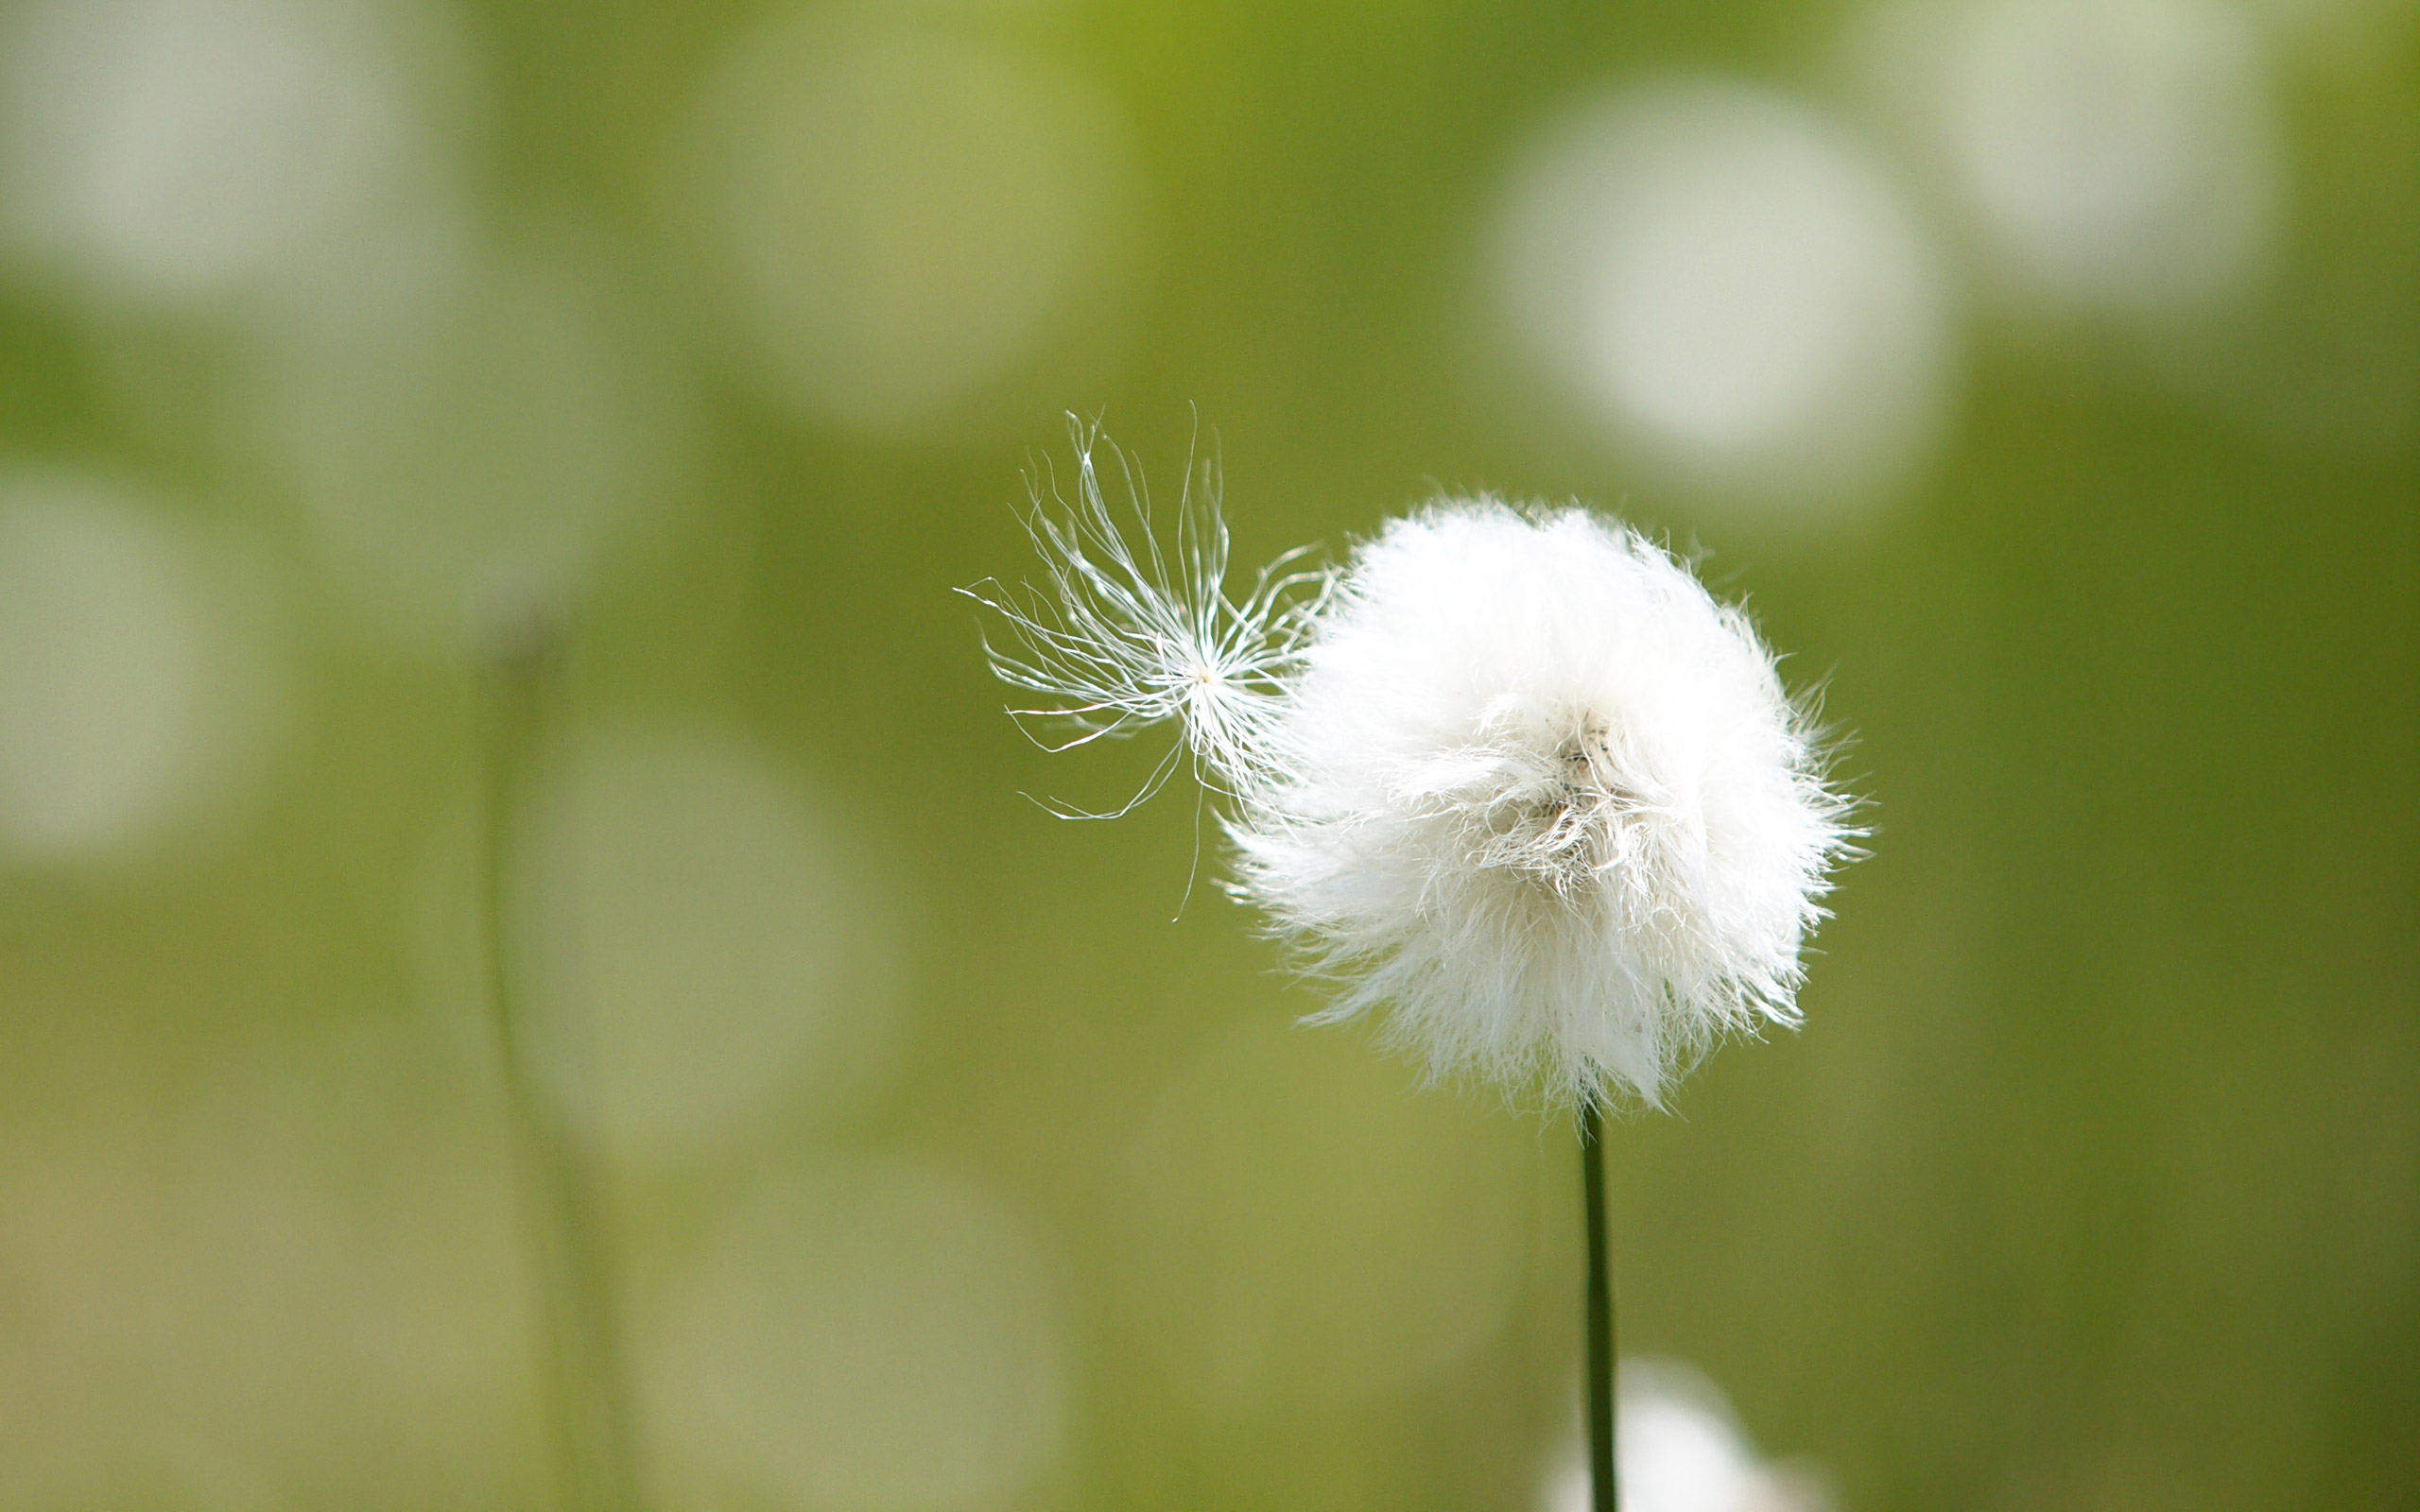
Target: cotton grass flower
[(1541, 797), (1510, 778)]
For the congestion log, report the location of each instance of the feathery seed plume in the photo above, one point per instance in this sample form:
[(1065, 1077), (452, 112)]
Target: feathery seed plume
[(1509, 777), (1125, 638)]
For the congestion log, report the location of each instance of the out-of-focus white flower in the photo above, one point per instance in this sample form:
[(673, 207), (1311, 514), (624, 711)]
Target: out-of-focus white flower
[(1512, 778), (1681, 1451)]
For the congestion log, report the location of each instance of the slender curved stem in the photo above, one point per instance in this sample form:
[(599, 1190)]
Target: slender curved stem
[(595, 1461), (1601, 1315)]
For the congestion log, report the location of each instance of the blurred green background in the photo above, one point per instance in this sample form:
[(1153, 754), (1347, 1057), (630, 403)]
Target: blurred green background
[(2044, 373)]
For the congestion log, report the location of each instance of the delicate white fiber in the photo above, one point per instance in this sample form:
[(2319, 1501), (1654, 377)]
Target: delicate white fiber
[(1515, 781), (1125, 638)]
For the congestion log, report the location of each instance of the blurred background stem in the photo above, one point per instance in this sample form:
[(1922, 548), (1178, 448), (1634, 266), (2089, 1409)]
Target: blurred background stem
[(570, 1261), (1602, 1479)]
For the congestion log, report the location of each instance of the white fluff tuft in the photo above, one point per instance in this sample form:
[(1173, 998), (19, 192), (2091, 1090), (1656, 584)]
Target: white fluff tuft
[(1545, 800), (1514, 779), (1127, 638)]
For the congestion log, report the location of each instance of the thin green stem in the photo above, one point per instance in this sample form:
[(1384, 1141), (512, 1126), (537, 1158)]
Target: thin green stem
[(1600, 1314), (595, 1461)]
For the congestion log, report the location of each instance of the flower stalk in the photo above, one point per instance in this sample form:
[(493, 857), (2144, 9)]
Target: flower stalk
[(1603, 1332), (563, 1230)]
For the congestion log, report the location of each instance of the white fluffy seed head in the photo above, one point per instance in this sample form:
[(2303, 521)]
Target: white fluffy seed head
[(1513, 780), (1543, 804)]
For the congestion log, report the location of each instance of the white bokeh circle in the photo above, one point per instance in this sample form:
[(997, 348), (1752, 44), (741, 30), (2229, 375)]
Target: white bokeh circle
[(135, 687), (712, 948), (178, 151), (512, 424), (2116, 153), (1729, 286)]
